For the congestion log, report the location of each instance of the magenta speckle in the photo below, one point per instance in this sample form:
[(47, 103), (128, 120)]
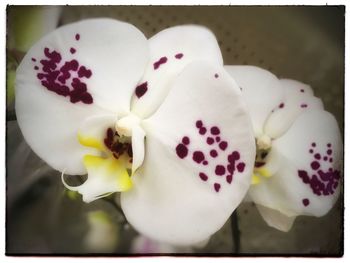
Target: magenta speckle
[(223, 145), (233, 157), (54, 77), (329, 152), (72, 50), (315, 165), (181, 150), (303, 105), (220, 170), (141, 89), (229, 178), (203, 176), (313, 144), (306, 202), (317, 156), (216, 75), (210, 140), (329, 145), (240, 167), (33, 59), (158, 63), (84, 72), (202, 131), (213, 153), (281, 106), (186, 140), (36, 67), (302, 90), (179, 56), (205, 163), (198, 156), (199, 124), (215, 130), (325, 158), (330, 160), (311, 151), (217, 187), (77, 37), (217, 139)]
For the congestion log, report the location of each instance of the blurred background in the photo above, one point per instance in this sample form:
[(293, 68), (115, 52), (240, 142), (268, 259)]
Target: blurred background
[(302, 43)]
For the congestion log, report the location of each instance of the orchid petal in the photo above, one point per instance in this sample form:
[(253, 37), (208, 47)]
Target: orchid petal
[(170, 51), (105, 176), (181, 193), (298, 99), (276, 219), (308, 178), (261, 92), (96, 64), (138, 147)]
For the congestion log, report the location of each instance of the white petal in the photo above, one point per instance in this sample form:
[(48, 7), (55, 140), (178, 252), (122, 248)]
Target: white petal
[(297, 99), (178, 198), (307, 182), (138, 147), (171, 50), (276, 219), (261, 91), (49, 122)]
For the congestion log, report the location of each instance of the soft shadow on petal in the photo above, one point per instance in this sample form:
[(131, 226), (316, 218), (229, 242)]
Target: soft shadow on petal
[(261, 92), (276, 219)]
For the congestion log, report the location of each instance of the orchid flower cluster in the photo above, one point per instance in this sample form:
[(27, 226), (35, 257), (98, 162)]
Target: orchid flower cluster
[(182, 138)]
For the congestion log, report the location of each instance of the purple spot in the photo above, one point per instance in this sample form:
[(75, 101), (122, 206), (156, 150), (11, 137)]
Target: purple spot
[(220, 170), (223, 145), (313, 144), (330, 160), (306, 202), (72, 50), (84, 72), (202, 131), (317, 156), (329, 145), (158, 63), (303, 105), (181, 150), (217, 138), (240, 167), (77, 37), (216, 75), (315, 165), (311, 151), (213, 153), (199, 124), (229, 178), (259, 164), (215, 130), (205, 163), (325, 158), (210, 140), (217, 187), (198, 156), (36, 67), (233, 157), (302, 90), (203, 176), (329, 152), (186, 140), (179, 55), (33, 59), (281, 106), (231, 168), (141, 89)]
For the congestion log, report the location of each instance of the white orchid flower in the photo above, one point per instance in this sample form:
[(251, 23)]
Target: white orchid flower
[(299, 148), (149, 118)]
